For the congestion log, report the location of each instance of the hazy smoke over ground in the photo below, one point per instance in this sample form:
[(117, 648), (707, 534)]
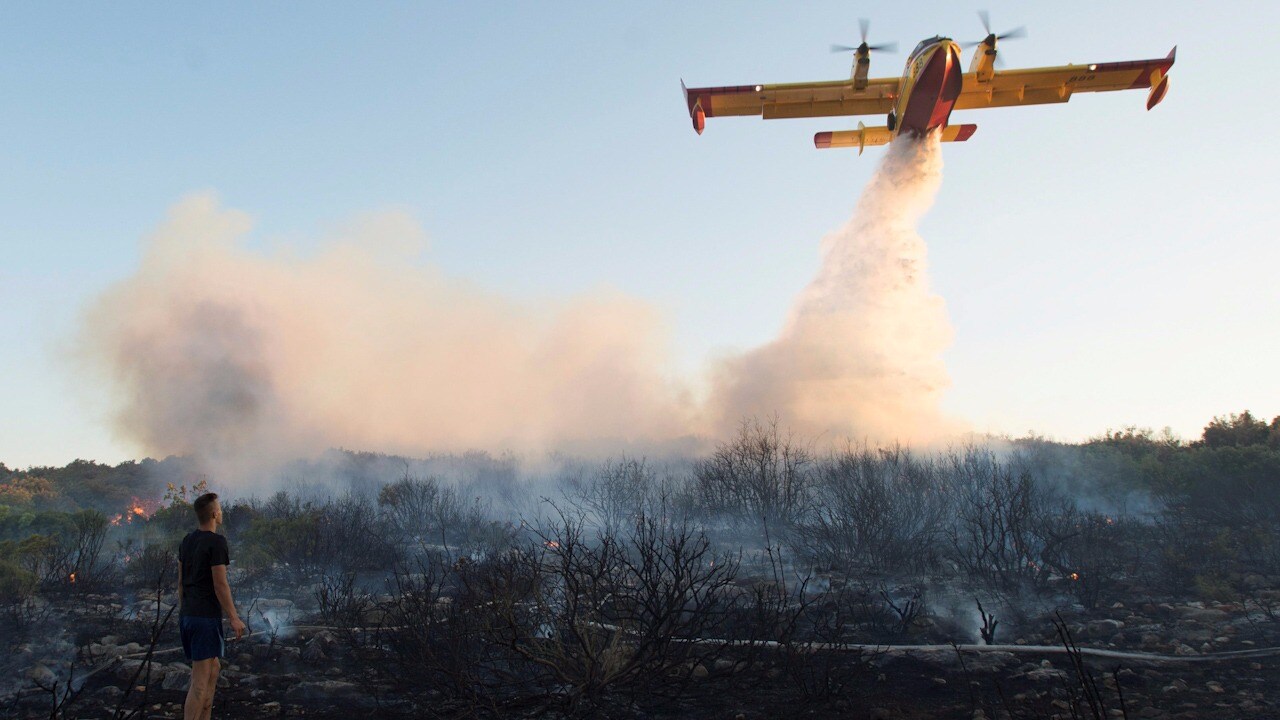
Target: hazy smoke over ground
[(244, 356), (225, 352), (860, 354)]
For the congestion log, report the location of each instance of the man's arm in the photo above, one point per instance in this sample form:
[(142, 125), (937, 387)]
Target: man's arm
[(223, 590)]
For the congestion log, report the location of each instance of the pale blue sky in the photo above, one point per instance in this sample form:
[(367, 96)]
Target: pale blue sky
[(1102, 265)]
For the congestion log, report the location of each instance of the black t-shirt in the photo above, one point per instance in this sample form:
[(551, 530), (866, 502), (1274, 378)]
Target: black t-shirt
[(199, 552)]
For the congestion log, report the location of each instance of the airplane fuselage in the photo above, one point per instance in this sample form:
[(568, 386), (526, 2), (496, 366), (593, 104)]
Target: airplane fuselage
[(931, 83)]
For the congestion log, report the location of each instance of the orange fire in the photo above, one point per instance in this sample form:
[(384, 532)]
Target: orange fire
[(552, 544), (138, 509), (1075, 576), (72, 578)]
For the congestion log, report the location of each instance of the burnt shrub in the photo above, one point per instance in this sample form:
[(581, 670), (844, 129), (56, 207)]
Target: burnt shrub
[(608, 614), (760, 475), (343, 604), (82, 549), (996, 536), (438, 618), (430, 513), (1092, 557), (354, 535), (874, 511), (143, 565), (615, 493), (571, 620)]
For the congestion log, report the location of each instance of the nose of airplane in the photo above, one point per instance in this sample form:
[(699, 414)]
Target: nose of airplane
[(951, 48)]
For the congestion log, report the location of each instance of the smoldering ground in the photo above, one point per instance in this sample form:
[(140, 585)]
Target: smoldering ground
[(245, 357)]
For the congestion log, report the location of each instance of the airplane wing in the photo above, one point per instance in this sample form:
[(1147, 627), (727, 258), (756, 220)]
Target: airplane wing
[(791, 100), (1033, 86)]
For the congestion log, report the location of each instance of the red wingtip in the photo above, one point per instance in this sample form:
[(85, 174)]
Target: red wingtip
[(696, 112), (1157, 93)]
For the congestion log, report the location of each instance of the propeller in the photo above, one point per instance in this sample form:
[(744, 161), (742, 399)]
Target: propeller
[(864, 25), (991, 38)]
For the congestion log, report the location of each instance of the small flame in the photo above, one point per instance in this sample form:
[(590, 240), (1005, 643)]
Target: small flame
[(552, 544), (72, 578), (1075, 576)]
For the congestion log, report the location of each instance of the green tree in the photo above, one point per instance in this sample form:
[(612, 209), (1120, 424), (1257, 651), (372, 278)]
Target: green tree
[(16, 584), (1241, 430)]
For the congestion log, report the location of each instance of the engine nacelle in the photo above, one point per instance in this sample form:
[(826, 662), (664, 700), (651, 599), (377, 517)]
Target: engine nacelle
[(861, 67), (699, 119), (983, 64)]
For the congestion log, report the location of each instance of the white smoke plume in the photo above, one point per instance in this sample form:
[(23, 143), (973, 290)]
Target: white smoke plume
[(246, 358)]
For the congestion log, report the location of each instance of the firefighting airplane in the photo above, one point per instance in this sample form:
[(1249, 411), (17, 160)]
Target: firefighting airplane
[(930, 88)]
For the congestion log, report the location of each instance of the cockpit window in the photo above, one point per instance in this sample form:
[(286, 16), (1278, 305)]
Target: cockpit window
[(925, 43)]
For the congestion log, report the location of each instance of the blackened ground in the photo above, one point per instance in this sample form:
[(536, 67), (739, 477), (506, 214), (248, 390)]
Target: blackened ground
[(306, 671)]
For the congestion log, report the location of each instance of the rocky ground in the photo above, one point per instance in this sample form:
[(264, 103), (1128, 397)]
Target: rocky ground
[(1185, 670)]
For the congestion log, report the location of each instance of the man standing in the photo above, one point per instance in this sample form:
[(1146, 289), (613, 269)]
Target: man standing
[(203, 596)]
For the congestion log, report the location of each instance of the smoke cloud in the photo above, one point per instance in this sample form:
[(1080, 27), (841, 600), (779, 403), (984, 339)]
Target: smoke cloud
[(241, 356)]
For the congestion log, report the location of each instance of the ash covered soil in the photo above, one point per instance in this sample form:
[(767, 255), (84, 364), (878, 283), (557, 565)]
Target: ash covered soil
[(291, 666)]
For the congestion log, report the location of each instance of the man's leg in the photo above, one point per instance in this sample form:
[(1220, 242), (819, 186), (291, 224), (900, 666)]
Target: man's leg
[(202, 684), (215, 667)]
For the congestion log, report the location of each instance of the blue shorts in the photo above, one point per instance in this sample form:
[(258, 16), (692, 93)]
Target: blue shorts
[(202, 638)]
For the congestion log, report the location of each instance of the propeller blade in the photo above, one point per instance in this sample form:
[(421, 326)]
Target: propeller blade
[(1014, 34), (863, 26), (967, 45), (890, 47), (985, 17), (843, 48)]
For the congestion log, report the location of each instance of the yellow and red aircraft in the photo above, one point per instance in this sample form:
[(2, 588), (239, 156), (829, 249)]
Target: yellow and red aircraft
[(930, 88)]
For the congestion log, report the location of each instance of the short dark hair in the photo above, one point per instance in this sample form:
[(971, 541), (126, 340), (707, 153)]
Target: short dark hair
[(204, 506)]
